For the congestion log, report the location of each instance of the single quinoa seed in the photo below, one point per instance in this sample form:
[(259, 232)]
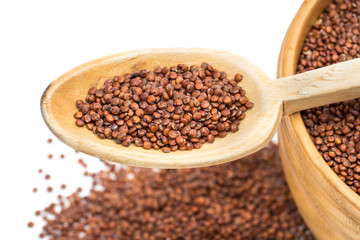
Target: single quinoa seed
[(82, 163), (165, 108), (335, 128)]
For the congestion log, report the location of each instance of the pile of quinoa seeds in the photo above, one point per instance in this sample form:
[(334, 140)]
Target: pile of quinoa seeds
[(335, 128), (243, 199), (175, 108)]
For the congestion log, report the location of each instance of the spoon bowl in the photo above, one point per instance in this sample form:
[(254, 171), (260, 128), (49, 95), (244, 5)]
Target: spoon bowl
[(272, 99), (58, 107)]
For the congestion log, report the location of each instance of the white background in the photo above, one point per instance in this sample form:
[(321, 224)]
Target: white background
[(40, 40)]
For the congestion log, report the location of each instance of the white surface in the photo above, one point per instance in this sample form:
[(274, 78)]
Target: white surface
[(40, 40)]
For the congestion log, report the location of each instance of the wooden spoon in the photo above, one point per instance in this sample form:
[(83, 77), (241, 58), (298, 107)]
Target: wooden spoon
[(272, 99)]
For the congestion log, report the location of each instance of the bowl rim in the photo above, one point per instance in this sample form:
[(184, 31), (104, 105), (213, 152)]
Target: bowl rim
[(290, 50)]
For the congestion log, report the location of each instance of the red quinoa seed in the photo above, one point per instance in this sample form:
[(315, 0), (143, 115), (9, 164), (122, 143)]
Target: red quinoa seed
[(244, 199)]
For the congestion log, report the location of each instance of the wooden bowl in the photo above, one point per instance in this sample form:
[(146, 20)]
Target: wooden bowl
[(329, 207)]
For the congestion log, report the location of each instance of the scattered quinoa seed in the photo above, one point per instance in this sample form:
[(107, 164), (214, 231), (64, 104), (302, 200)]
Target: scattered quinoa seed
[(243, 199)]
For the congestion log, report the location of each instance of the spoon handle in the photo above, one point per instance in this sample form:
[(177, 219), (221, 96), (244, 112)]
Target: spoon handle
[(319, 87)]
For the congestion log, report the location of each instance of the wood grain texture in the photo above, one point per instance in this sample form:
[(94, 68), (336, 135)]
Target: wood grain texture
[(58, 107), (329, 207), (319, 87)]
